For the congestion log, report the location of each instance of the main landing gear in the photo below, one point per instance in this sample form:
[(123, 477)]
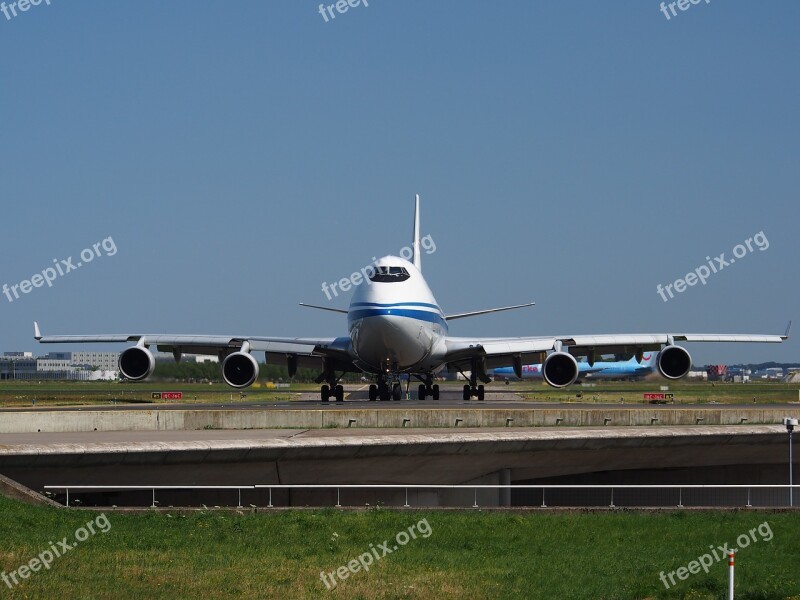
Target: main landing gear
[(382, 390), (472, 389), (428, 388), (332, 388), (335, 391)]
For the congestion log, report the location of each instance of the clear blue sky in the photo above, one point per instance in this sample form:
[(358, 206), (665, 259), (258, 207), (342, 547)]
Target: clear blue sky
[(239, 154)]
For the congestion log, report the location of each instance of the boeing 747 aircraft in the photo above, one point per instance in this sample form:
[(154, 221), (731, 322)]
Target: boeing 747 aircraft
[(396, 328)]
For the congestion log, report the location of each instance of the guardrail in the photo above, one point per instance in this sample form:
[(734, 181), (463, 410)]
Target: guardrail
[(475, 488), (153, 488)]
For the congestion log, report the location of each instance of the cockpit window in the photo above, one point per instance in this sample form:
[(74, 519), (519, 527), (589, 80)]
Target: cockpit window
[(389, 274)]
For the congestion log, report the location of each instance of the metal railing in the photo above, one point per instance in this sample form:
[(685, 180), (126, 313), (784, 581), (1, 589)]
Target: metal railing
[(152, 488), (610, 488)]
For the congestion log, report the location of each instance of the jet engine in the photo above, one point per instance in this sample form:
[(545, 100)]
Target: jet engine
[(136, 363), (240, 369), (560, 369), (674, 362)]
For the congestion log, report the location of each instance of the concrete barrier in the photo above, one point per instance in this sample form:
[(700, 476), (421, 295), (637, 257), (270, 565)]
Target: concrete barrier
[(412, 418)]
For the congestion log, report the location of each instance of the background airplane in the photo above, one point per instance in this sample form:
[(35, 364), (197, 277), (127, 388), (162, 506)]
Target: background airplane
[(617, 369)]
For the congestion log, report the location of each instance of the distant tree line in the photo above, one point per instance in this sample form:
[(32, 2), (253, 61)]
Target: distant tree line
[(768, 365)]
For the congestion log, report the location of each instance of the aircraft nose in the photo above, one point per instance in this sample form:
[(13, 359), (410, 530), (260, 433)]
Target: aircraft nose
[(388, 341)]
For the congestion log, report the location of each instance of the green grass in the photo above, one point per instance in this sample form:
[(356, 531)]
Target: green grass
[(468, 554), (61, 393), (57, 393), (685, 392)]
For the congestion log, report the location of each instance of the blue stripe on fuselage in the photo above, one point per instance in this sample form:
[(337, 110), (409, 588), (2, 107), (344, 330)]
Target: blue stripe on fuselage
[(419, 315), (394, 304)]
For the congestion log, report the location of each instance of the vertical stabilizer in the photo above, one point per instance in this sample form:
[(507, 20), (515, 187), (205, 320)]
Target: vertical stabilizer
[(416, 257)]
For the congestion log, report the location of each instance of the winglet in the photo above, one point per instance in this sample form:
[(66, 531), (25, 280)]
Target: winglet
[(785, 336), (416, 258), (37, 335)]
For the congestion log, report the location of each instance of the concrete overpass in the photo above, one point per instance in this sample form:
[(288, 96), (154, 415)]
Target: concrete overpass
[(747, 454)]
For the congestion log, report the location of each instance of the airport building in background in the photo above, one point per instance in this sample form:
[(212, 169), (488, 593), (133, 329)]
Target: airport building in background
[(59, 366), (17, 365), (105, 361)]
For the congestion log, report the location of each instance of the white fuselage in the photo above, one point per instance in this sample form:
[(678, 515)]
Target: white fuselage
[(394, 321)]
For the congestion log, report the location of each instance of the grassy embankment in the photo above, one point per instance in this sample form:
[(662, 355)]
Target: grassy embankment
[(468, 554)]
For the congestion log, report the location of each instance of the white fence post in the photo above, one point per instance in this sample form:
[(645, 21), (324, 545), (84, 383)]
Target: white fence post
[(731, 555)]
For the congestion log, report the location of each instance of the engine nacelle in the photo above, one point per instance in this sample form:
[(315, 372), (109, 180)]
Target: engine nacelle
[(240, 369), (136, 363), (560, 369), (674, 362)]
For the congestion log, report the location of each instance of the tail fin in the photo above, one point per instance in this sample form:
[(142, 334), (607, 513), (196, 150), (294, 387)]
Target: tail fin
[(416, 259)]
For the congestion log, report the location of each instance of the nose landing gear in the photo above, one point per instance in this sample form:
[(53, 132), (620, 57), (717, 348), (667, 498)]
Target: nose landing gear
[(382, 392)]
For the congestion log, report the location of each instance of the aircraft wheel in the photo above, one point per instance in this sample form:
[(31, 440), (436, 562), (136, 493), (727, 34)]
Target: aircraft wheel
[(467, 392), (480, 393), (339, 393), (397, 392), (422, 391), (436, 391), (373, 393), (325, 393)]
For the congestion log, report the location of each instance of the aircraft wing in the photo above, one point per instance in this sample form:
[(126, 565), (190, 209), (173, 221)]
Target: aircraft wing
[(309, 352), (504, 352)]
